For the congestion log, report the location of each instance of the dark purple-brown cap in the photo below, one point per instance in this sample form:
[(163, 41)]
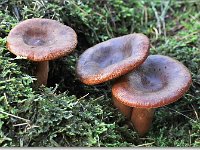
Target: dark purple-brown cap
[(112, 58), (41, 39), (159, 81)]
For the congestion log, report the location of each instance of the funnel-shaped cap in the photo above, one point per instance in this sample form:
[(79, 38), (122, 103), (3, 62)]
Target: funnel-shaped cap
[(159, 81), (112, 58)]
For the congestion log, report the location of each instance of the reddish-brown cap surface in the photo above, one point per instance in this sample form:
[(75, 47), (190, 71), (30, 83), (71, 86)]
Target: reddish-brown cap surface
[(41, 39), (112, 58), (160, 80)]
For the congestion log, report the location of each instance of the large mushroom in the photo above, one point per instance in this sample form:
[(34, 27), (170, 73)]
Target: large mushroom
[(41, 40), (112, 58), (159, 81)]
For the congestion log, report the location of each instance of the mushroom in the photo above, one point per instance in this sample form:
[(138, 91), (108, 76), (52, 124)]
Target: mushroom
[(41, 40), (112, 58), (159, 81)]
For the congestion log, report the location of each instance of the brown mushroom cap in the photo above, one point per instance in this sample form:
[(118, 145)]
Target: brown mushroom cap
[(160, 80), (41, 39), (112, 58)]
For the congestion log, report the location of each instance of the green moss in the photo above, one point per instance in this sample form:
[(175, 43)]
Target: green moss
[(64, 114)]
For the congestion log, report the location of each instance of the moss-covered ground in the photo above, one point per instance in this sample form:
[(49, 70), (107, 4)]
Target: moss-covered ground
[(69, 113)]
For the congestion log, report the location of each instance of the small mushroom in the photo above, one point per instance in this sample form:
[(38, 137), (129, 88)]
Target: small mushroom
[(159, 81), (112, 58), (41, 40)]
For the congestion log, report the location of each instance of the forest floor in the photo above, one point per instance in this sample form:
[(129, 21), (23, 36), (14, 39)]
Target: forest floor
[(68, 113)]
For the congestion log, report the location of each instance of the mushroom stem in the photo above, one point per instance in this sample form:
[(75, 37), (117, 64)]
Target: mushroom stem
[(142, 119), (125, 110), (42, 71)]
